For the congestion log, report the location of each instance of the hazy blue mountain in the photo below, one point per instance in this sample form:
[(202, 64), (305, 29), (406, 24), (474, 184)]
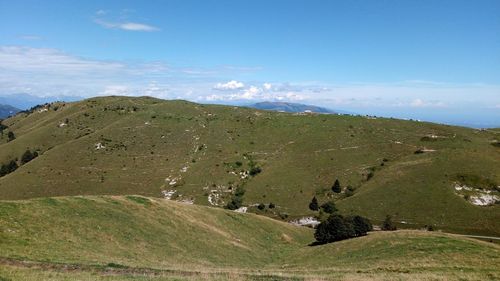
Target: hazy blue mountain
[(25, 101), (290, 107), (7, 110)]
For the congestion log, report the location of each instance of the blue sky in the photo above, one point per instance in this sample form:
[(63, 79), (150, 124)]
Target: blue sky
[(435, 60)]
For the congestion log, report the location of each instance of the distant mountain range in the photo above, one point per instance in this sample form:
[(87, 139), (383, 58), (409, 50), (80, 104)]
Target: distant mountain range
[(7, 110), (290, 107), (25, 101)]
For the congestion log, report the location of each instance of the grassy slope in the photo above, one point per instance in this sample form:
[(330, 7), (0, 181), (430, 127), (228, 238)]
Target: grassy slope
[(300, 156), (154, 233)]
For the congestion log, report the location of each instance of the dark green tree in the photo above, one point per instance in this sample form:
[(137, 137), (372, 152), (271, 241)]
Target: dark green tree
[(28, 156), (314, 206), (335, 228), (388, 225), (329, 207), (8, 168), (336, 186), (11, 136), (237, 199), (360, 224), (2, 127)]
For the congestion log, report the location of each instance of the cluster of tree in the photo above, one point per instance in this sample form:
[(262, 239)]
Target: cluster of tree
[(262, 206), (28, 156), (337, 228), (12, 165), (10, 134), (327, 207), (254, 169), (237, 199), (8, 168), (3, 127)]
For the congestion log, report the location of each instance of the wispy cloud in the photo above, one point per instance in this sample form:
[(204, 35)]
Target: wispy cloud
[(421, 103), (129, 26), (123, 24), (30, 37)]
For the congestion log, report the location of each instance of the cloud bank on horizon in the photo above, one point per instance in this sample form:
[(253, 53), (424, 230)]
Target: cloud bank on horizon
[(46, 72), (209, 53)]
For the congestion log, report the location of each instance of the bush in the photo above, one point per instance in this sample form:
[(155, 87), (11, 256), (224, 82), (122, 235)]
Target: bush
[(2, 127), (11, 136), (236, 200), (272, 206), (388, 225), (254, 171), (329, 207), (261, 206), (314, 206), (28, 156), (8, 168), (349, 191)]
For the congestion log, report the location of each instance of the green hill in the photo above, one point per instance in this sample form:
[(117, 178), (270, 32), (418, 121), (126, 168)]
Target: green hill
[(140, 238), (202, 153)]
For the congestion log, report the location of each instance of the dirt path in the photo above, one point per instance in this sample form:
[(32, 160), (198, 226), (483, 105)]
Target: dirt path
[(479, 236)]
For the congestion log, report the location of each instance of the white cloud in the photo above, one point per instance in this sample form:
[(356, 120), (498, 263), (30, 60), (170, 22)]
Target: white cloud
[(115, 90), (231, 85), (421, 103), (101, 12), (129, 26), (267, 86)]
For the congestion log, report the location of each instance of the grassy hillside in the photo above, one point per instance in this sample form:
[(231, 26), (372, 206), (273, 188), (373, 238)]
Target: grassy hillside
[(139, 238), (201, 153)]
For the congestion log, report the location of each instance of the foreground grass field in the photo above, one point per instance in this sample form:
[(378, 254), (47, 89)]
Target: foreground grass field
[(201, 153), (139, 238)]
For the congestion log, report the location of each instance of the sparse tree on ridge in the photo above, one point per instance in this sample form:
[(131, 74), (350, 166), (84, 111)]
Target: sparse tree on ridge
[(314, 206), (336, 186)]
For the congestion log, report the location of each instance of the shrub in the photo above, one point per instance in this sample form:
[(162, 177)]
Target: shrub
[(11, 136), (261, 206), (349, 191), (8, 168), (388, 225), (314, 206), (2, 127), (272, 206), (236, 200), (254, 171), (329, 207), (418, 151), (28, 156)]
